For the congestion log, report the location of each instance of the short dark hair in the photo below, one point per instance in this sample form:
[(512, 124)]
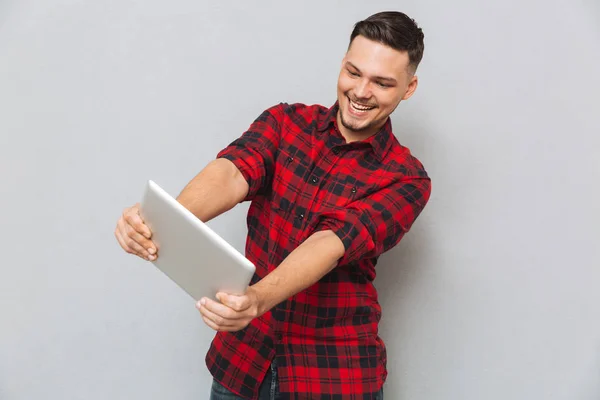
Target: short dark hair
[(396, 30)]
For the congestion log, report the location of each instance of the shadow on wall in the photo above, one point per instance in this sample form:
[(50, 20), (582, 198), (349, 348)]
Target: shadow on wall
[(590, 387), (404, 271), (402, 275), (400, 268)]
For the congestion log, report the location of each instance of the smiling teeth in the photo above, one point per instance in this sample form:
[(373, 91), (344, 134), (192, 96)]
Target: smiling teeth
[(360, 107)]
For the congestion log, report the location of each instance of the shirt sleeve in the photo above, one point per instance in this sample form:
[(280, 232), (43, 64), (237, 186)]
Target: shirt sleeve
[(254, 152), (371, 226)]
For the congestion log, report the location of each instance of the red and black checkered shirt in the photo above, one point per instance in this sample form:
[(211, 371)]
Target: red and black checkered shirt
[(304, 178)]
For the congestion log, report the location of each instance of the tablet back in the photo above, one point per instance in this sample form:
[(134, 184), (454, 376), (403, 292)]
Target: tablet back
[(189, 252)]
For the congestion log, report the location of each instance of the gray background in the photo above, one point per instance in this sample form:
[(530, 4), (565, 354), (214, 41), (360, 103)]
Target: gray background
[(493, 294)]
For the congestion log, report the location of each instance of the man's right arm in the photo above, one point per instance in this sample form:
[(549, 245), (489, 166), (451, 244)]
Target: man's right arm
[(240, 172), (215, 190)]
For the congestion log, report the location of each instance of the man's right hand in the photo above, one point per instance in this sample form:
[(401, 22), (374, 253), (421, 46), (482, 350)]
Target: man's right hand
[(134, 236)]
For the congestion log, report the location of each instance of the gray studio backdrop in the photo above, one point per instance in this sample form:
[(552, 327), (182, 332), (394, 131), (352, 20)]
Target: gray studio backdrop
[(494, 293)]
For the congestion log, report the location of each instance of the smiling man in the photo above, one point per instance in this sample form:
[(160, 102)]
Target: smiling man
[(331, 190), (372, 82)]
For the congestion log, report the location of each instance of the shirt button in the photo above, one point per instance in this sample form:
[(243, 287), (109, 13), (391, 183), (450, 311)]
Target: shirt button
[(300, 216), (353, 190), (290, 159), (314, 180)]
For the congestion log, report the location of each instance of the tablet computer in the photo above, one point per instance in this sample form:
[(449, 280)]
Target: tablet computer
[(189, 252)]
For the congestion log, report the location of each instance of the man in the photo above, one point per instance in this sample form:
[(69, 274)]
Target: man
[(331, 190)]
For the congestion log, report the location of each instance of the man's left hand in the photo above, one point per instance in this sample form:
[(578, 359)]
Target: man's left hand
[(232, 314)]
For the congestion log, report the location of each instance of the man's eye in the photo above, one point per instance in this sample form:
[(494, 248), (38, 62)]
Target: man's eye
[(352, 73), (383, 85)]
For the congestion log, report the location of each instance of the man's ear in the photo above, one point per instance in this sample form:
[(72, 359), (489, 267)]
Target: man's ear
[(412, 86)]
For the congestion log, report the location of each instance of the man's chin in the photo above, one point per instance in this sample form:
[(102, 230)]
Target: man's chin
[(356, 129), (360, 127)]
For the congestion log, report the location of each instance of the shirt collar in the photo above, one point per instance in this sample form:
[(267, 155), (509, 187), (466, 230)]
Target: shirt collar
[(380, 142)]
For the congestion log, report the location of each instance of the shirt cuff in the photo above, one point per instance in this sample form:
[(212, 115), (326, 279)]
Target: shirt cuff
[(245, 169), (352, 231)]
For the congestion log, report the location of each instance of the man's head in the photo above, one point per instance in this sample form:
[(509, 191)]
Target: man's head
[(377, 72)]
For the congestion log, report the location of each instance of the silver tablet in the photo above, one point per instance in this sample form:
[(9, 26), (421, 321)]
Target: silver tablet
[(190, 253)]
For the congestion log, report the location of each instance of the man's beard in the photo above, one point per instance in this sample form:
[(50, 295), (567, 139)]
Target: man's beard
[(354, 128)]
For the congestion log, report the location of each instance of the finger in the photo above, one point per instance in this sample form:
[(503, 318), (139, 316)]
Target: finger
[(147, 245), (130, 243), (124, 245), (121, 241), (210, 323), (220, 309), (144, 231), (233, 328), (133, 218), (237, 303), (216, 319)]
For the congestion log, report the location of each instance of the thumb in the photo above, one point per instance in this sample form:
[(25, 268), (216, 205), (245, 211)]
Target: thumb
[(238, 303)]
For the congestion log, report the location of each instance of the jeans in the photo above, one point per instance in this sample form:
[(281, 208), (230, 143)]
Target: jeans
[(269, 388)]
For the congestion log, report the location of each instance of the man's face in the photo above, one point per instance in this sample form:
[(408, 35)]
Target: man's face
[(373, 80)]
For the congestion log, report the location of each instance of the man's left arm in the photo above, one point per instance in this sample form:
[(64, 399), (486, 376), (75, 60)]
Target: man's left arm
[(302, 268), (366, 228)]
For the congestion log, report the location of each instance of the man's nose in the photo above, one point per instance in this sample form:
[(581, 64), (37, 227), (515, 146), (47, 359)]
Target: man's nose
[(362, 89)]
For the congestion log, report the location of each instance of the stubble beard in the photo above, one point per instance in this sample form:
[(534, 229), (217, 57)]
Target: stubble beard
[(355, 127)]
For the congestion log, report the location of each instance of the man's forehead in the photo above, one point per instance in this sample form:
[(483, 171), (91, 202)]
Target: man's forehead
[(376, 57)]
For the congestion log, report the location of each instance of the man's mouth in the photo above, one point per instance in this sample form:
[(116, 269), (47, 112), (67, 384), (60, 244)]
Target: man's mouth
[(360, 108)]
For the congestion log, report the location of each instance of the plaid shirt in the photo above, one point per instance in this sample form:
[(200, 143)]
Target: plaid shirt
[(304, 178)]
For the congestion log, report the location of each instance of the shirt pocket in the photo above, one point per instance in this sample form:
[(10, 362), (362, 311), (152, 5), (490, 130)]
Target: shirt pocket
[(344, 189), (350, 185), (292, 165)]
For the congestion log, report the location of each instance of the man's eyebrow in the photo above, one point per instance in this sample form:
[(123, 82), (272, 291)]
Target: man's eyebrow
[(352, 65), (383, 78), (380, 78)]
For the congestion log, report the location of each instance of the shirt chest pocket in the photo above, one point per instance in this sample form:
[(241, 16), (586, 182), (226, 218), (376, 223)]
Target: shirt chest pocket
[(344, 189), (347, 187), (291, 168)]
